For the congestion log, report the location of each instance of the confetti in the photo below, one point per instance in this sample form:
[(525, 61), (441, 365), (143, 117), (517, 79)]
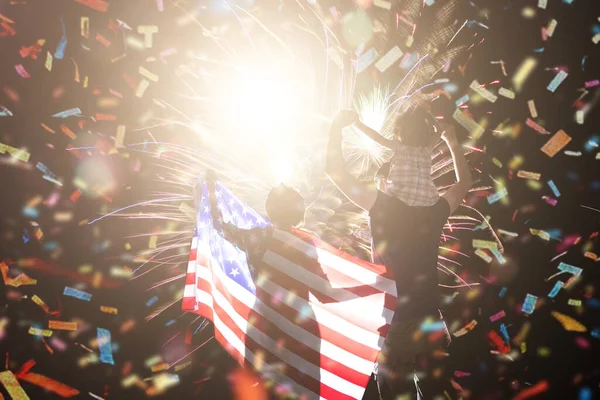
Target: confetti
[(483, 255), (509, 94), (366, 59), (40, 332), (535, 126), (558, 79), (390, 58), (147, 31), (542, 4), (77, 294), (62, 325), (68, 113), (109, 310), (484, 244), (98, 5), (483, 92), (468, 123), (21, 70), (556, 143), (497, 316), (59, 53), (529, 304), (529, 175), (557, 286), (50, 385), (568, 323), (573, 302), (571, 269), (105, 346), (12, 386), (499, 257), (532, 109), (497, 196)]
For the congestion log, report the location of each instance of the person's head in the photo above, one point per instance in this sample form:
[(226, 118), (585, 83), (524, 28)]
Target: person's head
[(381, 176), (417, 128), (285, 207)]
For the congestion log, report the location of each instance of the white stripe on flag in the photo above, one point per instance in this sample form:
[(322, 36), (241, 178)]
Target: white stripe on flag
[(249, 300), (338, 263)]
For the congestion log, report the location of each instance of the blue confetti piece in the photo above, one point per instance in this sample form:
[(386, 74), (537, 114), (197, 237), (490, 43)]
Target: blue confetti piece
[(365, 60), (171, 322), (558, 79), (429, 2), (151, 301), (68, 113), (593, 303), (570, 269), (498, 256), (554, 233), (428, 327), (538, 50), (72, 292), (497, 196), (462, 100), (31, 212), (553, 188), (105, 346), (504, 332), (62, 44), (596, 333), (592, 144), (585, 393), (25, 236), (529, 303), (502, 292), (557, 286), (568, 1)]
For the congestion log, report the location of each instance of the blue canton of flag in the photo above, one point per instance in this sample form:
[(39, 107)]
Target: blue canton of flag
[(231, 259)]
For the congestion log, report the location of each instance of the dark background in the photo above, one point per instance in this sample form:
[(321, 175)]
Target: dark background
[(570, 368)]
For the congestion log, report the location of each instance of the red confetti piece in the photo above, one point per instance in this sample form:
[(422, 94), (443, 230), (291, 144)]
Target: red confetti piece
[(97, 5), (50, 384), (536, 389)]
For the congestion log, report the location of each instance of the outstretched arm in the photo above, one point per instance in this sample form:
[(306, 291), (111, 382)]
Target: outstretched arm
[(457, 193), (376, 136), (360, 194)]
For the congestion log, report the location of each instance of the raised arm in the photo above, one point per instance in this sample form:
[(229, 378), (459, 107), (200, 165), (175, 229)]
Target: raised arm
[(457, 193), (357, 192), (376, 136)]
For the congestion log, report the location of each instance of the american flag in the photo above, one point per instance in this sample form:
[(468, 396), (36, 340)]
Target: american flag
[(310, 318)]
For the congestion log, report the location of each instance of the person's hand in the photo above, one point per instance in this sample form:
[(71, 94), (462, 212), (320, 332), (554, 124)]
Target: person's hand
[(345, 118)]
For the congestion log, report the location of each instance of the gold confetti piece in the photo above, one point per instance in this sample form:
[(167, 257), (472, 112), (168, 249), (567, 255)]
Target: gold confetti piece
[(139, 92), (152, 242), (556, 143), (484, 244), (523, 347), (497, 162), (147, 31), (580, 117), (147, 74), (542, 4), (39, 332), (591, 255), (48, 63), (532, 109), (483, 255), (127, 246), (523, 72), (77, 77), (62, 325), (12, 386), (509, 94), (516, 162), (568, 323), (63, 216), (483, 92), (573, 302), (596, 38), (551, 27), (109, 310), (543, 234), (47, 128), (152, 361), (468, 123), (466, 329), (65, 129), (85, 27), (120, 136), (40, 303), (160, 367), (19, 154), (529, 175)]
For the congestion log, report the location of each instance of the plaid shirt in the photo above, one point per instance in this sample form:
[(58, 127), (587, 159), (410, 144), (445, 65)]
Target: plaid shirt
[(410, 176)]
